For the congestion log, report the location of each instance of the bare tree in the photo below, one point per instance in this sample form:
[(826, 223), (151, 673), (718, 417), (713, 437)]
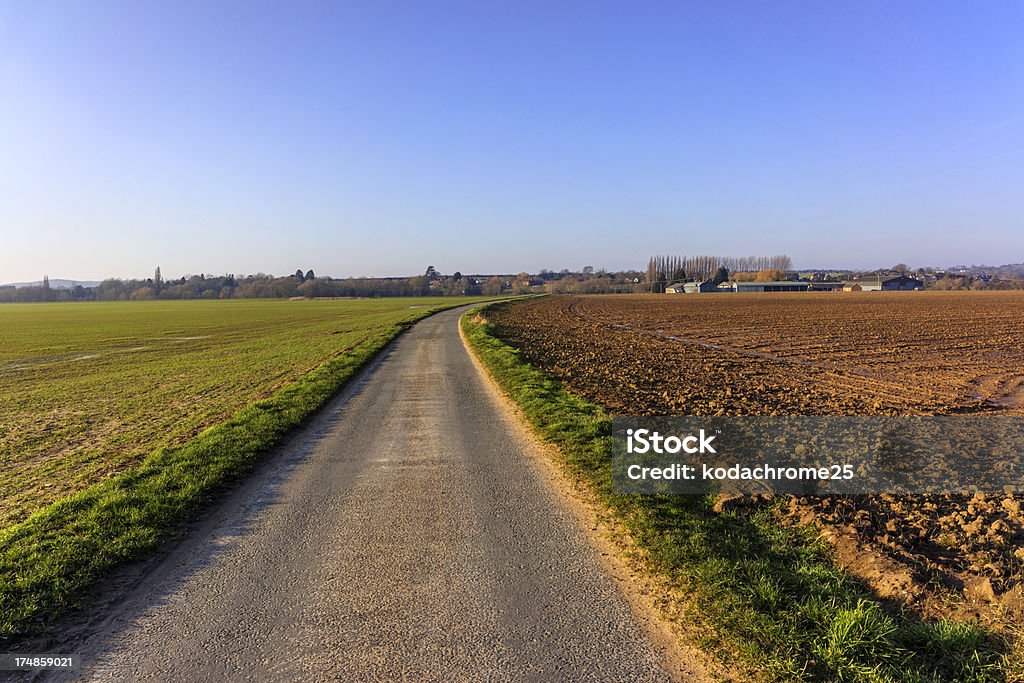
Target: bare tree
[(662, 269)]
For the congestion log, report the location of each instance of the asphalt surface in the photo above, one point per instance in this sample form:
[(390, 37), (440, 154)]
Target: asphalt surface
[(406, 533)]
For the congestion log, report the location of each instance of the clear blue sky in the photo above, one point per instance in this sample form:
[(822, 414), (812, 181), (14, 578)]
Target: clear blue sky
[(375, 138)]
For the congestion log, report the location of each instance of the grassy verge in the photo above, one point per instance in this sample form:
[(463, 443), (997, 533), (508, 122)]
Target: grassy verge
[(50, 561), (760, 596)]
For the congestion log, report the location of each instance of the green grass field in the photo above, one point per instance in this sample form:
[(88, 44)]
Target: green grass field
[(88, 390), (119, 420)]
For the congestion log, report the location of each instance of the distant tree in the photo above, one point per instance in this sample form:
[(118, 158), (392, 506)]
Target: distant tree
[(299, 276), (781, 262), (588, 270), (431, 273), (158, 281), (46, 282), (456, 276), (769, 275), (492, 287), (310, 275), (420, 285), (900, 268), (721, 275)]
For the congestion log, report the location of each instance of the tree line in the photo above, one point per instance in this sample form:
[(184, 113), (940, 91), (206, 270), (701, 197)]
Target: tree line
[(665, 270), (661, 271), (306, 283), (260, 285)]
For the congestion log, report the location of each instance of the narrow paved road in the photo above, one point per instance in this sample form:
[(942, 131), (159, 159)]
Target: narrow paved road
[(404, 535)]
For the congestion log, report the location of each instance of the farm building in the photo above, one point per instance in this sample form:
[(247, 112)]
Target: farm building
[(777, 286), (702, 287), (899, 283), (825, 286)]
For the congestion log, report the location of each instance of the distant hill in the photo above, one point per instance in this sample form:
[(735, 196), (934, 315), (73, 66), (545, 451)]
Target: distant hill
[(55, 283)]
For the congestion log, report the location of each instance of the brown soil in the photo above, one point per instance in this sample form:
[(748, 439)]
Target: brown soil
[(905, 353)]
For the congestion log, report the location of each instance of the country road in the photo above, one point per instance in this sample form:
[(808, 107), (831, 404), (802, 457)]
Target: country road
[(406, 533)]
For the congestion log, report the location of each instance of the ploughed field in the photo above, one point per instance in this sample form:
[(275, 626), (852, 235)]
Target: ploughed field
[(871, 353), (789, 354), (88, 390)]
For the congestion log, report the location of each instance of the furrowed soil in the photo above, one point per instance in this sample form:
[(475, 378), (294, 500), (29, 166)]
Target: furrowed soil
[(89, 390), (872, 353)]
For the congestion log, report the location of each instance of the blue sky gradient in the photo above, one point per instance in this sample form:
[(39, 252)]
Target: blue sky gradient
[(376, 138)]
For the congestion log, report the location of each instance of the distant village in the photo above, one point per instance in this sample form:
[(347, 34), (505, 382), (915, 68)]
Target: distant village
[(664, 275)]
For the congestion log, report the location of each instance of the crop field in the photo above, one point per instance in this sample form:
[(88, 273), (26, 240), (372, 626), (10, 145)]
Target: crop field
[(88, 390), (913, 353)]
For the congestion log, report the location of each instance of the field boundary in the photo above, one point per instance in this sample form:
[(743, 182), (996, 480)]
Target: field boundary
[(764, 599), (51, 561)]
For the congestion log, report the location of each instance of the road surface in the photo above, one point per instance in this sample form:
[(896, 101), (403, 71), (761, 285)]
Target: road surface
[(406, 533)]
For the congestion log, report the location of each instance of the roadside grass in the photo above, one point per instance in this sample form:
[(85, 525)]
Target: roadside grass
[(51, 560), (761, 597)]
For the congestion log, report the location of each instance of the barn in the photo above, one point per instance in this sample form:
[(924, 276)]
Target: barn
[(777, 286), (899, 283), (702, 287)]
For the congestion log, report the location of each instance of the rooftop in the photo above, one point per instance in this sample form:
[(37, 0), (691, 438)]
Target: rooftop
[(774, 283)]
